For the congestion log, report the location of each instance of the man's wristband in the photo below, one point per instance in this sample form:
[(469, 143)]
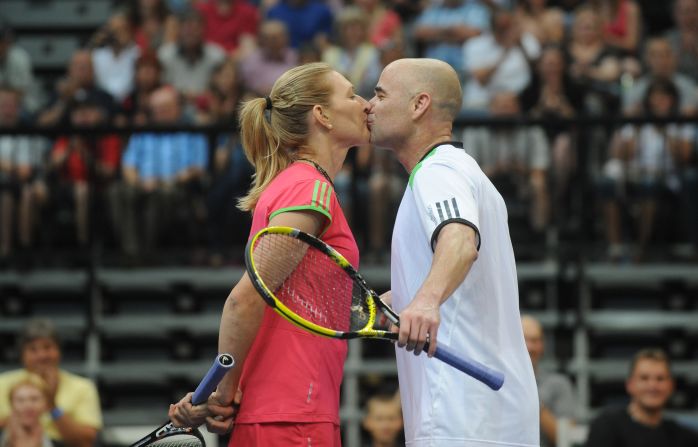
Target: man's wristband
[(56, 413)]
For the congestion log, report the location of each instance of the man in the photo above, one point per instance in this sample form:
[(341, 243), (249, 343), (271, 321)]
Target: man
[(232, 24), (453, 272), (73, 401), (555, 390), (114, 61), (16, 69), (642, 422), (383, 420), (684, 37)]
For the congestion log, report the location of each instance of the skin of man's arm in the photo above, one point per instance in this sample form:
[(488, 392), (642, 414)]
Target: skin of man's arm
[(454, 255), (240, 321)]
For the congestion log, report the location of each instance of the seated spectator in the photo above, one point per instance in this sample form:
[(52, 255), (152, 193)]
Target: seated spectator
[(643, 422), (622, 24), (498, 61), (554, 390), (553, 95), (189, 63), (383, 420), (22, 186), (383, 24), (661, 62), (354, 56), (79, 82), (82, 163), (147, 79), (514, 154), (684, 37), (16, 69), (162, 174), (114, 57), (224, 96), (229, 23), (593, 65), (28, 402), (273, 56), (152, 22), (307, 21), (73, 402), (543, 22), (443, 27), (645, 164)]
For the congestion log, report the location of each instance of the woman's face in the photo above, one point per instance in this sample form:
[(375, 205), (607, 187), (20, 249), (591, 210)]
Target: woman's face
[(348, 113), (587, 27), (28, 403)]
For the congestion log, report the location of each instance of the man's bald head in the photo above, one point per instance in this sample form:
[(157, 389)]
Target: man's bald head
[(533, 334), (434, 77)]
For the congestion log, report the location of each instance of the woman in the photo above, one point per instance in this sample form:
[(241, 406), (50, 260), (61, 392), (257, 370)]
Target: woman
[(287, 380), (28, 402), (546, 23)]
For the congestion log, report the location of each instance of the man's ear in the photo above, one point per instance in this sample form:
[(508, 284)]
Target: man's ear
[(420, 104), (320, 116)]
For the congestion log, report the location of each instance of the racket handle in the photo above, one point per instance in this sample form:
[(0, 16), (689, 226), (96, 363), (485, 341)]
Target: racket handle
[(491, 378), (208, 384)]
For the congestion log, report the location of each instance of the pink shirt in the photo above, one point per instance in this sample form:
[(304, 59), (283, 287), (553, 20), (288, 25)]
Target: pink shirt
[(291, 375)]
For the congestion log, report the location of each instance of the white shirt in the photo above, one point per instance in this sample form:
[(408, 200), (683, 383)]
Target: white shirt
[(512, 75), (114, 73), (443, 407)]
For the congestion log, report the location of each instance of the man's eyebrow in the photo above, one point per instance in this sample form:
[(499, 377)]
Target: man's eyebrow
[(379, 89)]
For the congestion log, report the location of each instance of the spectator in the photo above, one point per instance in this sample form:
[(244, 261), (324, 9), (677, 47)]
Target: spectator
[(148, 78), (622, 24), (162, 175), (229, 23), (354, 56), (383, 420), (384, 24), (189, 63), (645, 165), (552, 95), (443, 27), (224, 95), (554, 390), (643, 423), (262, 67), (16, 69), (114, 58), (684, 37), (28, 402), (307, 21), (661, 62), (592, 64), (498, 61), (80, 81), (84, 162), (22, 187), (514, 154), (73, 402), (545, 23), (152, 23)]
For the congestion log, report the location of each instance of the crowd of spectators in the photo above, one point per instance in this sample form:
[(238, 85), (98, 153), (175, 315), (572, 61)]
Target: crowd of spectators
[(192, 62)]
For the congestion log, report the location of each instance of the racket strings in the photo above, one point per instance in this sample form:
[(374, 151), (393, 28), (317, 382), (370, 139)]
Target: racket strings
[(310, 283), (179, 441)]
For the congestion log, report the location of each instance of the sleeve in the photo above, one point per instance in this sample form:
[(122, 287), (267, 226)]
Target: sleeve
[(562, 402), (130, 155), (305, 195), (87, 410), (443, 195)]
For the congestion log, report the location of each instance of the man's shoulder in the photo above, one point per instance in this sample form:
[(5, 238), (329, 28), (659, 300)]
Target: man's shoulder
[(11, 376), (75, 381)]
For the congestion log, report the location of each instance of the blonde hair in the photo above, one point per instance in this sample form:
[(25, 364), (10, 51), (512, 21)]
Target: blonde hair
[(31, 380), (269, 143)]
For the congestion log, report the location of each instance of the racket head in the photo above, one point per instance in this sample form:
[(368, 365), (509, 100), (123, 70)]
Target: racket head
[(168, 435), (312, 285)]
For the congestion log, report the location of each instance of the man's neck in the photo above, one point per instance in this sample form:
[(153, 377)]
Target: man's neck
[(417, 151), (645, 416)]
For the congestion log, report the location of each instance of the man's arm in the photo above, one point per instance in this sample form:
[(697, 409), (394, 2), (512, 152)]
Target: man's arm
[(454, 255)]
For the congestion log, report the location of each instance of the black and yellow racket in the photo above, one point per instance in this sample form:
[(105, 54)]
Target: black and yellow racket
[(314, 287)]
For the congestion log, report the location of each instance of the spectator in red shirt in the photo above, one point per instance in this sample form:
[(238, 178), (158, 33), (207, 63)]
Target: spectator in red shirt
[(229, 22)]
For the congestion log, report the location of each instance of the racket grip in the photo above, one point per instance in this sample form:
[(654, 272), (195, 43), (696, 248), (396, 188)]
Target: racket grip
[(208, 384), (488, 376)]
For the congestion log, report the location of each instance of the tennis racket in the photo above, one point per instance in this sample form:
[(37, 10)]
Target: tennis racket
[(167, 435), (314, 287)]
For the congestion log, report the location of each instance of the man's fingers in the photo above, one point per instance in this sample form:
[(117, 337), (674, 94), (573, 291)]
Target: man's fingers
[(219, 426)]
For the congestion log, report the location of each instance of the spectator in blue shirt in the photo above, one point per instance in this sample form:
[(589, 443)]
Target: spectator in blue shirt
[(307, 21)]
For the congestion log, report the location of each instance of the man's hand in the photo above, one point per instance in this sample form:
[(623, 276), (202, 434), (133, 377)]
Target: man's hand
[(419, 323)]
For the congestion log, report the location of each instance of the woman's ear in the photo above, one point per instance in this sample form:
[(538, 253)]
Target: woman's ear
[(321, 117)]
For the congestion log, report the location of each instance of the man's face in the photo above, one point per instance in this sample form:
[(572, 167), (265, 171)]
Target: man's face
[(533, 334), (9, 108), (650, 384), (389, 117), (164, 107), (384, 422), (40, 355), (660, 58)]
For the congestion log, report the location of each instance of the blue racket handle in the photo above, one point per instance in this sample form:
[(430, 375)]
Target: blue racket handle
[(214, 375), (488, 376)]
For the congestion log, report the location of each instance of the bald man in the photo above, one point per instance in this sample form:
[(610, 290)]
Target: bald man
[(453, 273), (555, 390)]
